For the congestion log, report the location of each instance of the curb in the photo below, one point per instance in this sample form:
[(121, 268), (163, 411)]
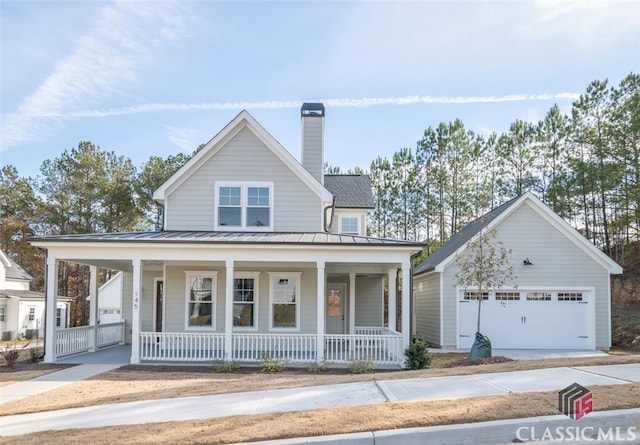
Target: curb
[(620, 426)]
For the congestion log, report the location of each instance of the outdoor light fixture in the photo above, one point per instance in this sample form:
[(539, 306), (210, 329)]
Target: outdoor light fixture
[(526, 262)]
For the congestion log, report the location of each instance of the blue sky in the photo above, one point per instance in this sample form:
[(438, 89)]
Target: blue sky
[(146, 78)]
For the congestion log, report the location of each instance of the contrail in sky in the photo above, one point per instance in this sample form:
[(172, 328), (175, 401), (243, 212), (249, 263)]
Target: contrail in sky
[(336, 102)]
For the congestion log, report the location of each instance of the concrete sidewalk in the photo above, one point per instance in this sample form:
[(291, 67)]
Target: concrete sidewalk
[(309, 398), (51, 381)]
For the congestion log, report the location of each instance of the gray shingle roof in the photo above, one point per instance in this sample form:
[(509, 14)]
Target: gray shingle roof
[(351, 191), (205, 237), (14, 270), (460, 238)]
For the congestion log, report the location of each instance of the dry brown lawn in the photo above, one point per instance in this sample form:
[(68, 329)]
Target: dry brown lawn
[(333, 421), (131, 383)]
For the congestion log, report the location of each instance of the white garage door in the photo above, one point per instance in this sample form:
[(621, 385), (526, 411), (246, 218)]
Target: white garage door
[(536, 319)]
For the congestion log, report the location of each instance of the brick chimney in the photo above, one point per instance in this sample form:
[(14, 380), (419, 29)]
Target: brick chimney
[(312, 115)]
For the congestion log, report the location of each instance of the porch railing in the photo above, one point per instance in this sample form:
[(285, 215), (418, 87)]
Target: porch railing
[(297, 348), (380, 345), (181, 346), (73, 340), (110, 334), (81, 339)]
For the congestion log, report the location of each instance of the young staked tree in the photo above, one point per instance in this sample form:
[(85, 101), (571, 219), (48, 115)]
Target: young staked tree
[(484, 265)]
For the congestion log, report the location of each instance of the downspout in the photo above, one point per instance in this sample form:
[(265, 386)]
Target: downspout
[(326, 209), (160, 217)]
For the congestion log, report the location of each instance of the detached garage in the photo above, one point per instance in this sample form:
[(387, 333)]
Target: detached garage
[(561, 295)]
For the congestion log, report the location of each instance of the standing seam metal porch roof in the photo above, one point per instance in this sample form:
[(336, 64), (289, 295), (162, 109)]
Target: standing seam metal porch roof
[(206, 237)]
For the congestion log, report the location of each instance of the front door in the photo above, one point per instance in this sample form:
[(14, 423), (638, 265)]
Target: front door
[(336, 294), (159, 304)]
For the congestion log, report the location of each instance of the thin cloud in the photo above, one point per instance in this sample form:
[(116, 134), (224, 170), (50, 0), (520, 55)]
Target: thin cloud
[(103, 60), (336, 103)]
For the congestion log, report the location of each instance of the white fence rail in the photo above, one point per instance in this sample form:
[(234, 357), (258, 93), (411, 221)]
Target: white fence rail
[(73, 340), (297, 348), (380, 349), (181, 346), (110, 334), (380, 345), (81, 339)]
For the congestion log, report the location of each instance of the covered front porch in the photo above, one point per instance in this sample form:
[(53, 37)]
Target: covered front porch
[(381, 346), (186, 303)]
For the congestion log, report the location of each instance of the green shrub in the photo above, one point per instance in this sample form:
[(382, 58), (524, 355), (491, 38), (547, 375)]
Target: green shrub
[(416, 355), (272, 365), (360, 366), (225, 365), (318, 367)]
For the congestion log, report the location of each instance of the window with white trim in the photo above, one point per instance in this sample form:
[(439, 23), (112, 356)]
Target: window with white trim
[(284, 298), (244, 206), (349, 225), (3, 314), (200, 299), (245, 300), (58, 317), (32, 313)]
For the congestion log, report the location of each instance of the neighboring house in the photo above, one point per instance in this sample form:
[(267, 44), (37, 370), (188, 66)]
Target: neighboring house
[(561, 297), (110, 301), (22, 310), (259, 254)]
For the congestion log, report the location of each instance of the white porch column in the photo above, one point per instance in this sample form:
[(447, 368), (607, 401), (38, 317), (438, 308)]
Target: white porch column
[(93, 307), (406, 303), (392, 306), (352, 303), (320, 323), (228, 311), (135, 314), (50, 336)]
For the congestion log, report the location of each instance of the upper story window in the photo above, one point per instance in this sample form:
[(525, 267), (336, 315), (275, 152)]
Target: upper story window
[(244, 206), (349, 225)]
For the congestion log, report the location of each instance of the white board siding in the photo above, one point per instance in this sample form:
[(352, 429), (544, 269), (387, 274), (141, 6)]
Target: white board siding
[(369, 295), (244, 158), (427, 307), (312, 146), (175, 299), (557, 262)]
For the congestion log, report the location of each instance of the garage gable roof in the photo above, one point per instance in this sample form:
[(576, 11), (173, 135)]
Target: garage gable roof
[(242, 120), (446, 253)]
